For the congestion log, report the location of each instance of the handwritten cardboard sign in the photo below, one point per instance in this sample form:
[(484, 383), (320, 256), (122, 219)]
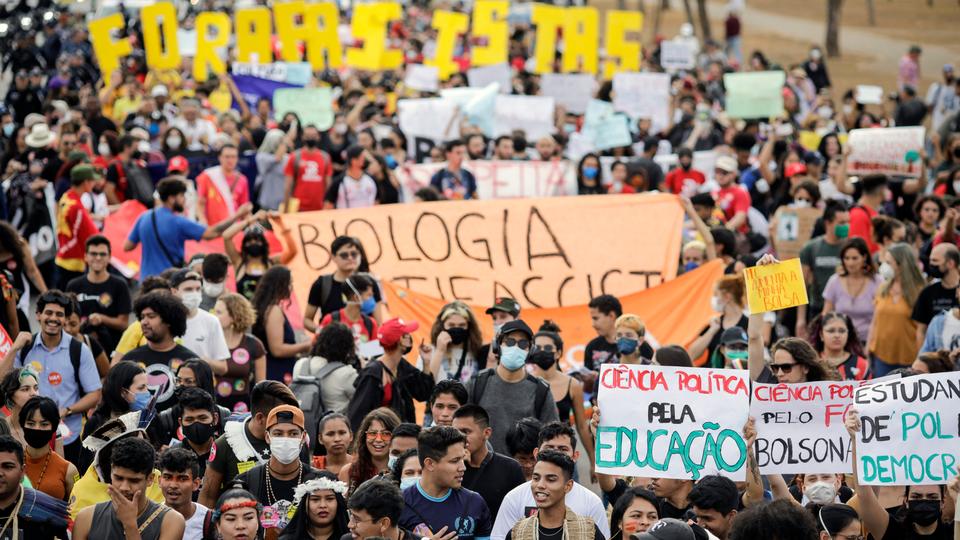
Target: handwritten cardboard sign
[(775, 286)]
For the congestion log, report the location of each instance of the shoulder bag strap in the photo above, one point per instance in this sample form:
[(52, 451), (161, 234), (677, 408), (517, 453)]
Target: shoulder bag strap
[(156, 232)]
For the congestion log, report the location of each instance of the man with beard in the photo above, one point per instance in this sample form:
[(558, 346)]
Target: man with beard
[(163, 232)]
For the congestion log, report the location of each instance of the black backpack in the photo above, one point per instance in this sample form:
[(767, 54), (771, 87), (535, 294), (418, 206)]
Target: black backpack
[(308, 388), (139, 184), (480, 385), (76, 347)]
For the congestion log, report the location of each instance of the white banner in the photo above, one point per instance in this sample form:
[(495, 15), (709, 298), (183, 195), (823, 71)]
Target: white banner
[(436, 119), (643, 95), (885, 151), (531, 114), (423, 78), (910, 430), (670, 422), (500, 179), (571, 90)]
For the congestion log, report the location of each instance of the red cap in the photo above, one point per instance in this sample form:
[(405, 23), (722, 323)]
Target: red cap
[(393, 330), (794, 169), (178, 163)]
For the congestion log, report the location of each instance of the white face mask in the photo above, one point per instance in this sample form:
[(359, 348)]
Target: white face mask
[(847, 109), (887, 272), (213, 290), (801, 204), (174, 142), (191, 299), (103, 149), (716, 304), (956, 186), (285, 449), (143, 147), (821, 492)]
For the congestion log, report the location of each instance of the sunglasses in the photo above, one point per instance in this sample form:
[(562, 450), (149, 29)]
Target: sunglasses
[(544, 348), (522, 343), (382, 435), (348, 254), (785, 368)]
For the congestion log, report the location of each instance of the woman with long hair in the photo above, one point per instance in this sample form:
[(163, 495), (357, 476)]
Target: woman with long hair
[(22, 273), (248, 359), (456, 340), (590, 176), (271, 159), (48, 471), (334, 344), (334, 439), (567, 391), (17, 387), (272, 326), (371, 447), (929, 210), (123, 391), (321, 510), (254, 259), (835, 338), (892, 341), (852, 289), (729, 299)]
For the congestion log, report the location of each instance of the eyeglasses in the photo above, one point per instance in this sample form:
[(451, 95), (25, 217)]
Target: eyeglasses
[(351, 517), (544, 348), (348, 254), (848, 536), (785, 368), (382, 435), (513, 342), (98, 255)]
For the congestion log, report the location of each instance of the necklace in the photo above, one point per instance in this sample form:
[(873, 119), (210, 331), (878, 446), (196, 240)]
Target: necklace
[(271, 498), (43, 470), (557, 533)]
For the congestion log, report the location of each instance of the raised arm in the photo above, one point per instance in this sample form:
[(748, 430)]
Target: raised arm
[(701, 227), (874, 516), (217, 230), (755, 359)]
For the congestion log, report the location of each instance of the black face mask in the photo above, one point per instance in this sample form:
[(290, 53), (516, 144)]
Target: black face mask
[(405, 349), (178, 208), (956, 152), (543, 359), (310, 143), (458, 336), (255, 249), (935, 272), (37, 438), (198, 432), (923, 513)]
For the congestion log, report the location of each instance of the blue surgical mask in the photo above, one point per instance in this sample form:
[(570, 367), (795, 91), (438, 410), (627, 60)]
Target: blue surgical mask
[(368, 305), (409, 481), (391, 461), (627, 345), (590, 172), (140, 400), (513, 358), (8, 129), (390, 161), (690, 266)]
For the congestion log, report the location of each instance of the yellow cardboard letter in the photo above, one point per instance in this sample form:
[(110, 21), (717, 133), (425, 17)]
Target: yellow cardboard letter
[(253, 35), (370, 23), (156, 19), (448, 25), (490, 21), (548, 20), (622, 55), (108, 51), (580, 40), (290, 33), (323, 39), (207, 57)]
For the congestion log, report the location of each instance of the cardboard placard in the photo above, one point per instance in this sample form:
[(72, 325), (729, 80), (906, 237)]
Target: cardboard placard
[(794, 227), (775, 286), (757, 94)]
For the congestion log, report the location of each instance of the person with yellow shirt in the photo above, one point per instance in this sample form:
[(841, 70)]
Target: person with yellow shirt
[(133, 336)]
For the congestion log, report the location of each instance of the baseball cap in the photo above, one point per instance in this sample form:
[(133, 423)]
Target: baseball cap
[(506, 305), (285, 414), (184, 275), (726, 163), (393, 330), (515, 326), (668, 529), (733, 335), (81, 173), (159, 90), (794, 169), (178, 163)]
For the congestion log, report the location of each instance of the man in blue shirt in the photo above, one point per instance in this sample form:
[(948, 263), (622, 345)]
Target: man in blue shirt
[(76, 390), (162, 231), (453, 181), (437, 504)]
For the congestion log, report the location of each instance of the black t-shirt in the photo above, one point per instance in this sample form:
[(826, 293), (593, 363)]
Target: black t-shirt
[(493, 479), (161, 366), (557, 533), (900, 530), (110, 298), (334, 300), (224, 460), (933, 299), (668, 510)]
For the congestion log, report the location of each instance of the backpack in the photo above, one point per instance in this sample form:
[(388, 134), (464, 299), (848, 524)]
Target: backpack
[(139, 184), (309, 391), (326, 285), (367, 321), (480, 385), (76, 347)]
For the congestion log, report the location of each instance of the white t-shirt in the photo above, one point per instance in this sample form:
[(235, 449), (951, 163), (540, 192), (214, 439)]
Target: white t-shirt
[(205, 337), (514, 507), (355, 193), (194, 529), (951, 331)]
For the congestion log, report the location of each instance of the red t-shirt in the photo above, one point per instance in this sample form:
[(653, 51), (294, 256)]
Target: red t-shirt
[(733, 199), (861, 226), (310, 180), (74, 226), (687, 183), (359, 329)]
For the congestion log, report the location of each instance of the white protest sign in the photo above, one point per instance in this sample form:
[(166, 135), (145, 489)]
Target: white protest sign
[(431, 118), (910, 430), (643, 95), (885, 151), (867, 94), (500, 179), (571, 90), (671, 422), (676, 55), (422, 78), (531, 114), (800, 427), (480, 77), (476, 105)]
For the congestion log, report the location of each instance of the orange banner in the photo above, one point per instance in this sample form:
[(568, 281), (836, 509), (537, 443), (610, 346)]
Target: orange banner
[(674, 312), (549, 252)]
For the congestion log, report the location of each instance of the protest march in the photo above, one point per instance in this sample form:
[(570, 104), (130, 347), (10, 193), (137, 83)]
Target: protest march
[(480, 270)]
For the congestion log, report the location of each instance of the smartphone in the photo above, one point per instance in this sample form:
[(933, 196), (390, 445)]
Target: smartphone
[(783, 130)]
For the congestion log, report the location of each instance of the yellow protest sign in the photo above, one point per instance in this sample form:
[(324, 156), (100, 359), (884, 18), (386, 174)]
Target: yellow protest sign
[(213, 31), (253, 35), (580, 40), (157, 19), (775, 286), (449, 25), (622, 55), (370, 23), (490, 22), (548, 19), (107, 50)]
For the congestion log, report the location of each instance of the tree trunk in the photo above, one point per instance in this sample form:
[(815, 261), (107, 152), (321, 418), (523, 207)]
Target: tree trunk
[(704, 19), (686, 7), (656, 18), (871, 13), (833, 27)]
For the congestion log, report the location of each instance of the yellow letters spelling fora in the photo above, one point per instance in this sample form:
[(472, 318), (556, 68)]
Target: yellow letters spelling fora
[(207, 57), (160, 19)]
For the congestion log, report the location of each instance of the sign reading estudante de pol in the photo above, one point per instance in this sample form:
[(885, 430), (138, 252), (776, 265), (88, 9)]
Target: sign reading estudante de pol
[(312, 28)]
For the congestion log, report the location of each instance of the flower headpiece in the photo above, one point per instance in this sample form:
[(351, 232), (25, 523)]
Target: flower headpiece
[(317, 484)]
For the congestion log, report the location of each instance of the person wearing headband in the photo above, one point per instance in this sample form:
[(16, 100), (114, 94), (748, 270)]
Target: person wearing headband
[(321, 510), (236, 516)]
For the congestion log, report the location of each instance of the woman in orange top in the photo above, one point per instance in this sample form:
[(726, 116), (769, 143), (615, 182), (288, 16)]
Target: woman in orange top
[(47, 470), (892, 343)]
